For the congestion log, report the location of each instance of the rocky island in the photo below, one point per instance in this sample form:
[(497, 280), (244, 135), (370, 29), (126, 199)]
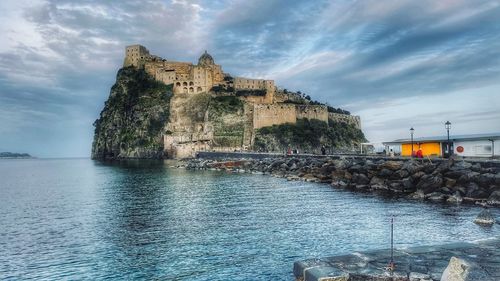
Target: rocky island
[(14, 155), (160, 108)]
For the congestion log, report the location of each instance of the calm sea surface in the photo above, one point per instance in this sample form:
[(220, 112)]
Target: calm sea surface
[(81, 219)]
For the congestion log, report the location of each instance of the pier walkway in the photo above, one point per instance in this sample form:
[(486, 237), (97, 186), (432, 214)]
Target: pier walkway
[(418, 263)]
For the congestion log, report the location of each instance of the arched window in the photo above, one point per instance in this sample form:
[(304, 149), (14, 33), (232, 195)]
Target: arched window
[(178, 84), (185, 90), (184, 83), (191, 83), (191, 89)]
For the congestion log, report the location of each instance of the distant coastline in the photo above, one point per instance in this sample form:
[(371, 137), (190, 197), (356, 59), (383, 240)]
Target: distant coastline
[(14, 155)]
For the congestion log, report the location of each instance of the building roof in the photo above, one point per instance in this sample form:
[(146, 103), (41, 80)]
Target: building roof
[(206, 59), (445, 138)]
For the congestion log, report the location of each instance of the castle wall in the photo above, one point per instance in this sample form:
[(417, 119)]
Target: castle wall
[(241, 83), (265, 115), (319, 112), (165, 76), (349, 119), (267, 99)]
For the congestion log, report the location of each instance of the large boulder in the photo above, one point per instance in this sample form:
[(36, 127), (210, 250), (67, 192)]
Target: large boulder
[(485, 218), (377, 183), (360, 179), (326, 169), (444, 166), (475, 191), (408, 185), (342, 164), (494, 198), (412, 167), (460, 188), (462, 165), (449, 182), (417, 175), (429, 168), (385, 173), (497, 179), (456, 198), (476, 167), (485, 179), (400, 174), (429, 183), (392, 165), (356, 168), (435, 196), (455, 174), (468, 176), (463, 270)]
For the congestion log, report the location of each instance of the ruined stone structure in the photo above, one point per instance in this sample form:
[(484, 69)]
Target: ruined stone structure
[(186, 133)]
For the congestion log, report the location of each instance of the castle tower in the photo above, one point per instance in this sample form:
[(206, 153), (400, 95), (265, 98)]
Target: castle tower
[(136, 55)]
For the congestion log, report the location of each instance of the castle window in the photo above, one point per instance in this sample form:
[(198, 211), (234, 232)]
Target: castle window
[(185, 90), (178, 84), (191, 83), (184, 83), (191, 89)]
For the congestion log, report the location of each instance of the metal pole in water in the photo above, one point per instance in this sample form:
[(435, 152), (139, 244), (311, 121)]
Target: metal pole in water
[(392, 266), (392, 240)]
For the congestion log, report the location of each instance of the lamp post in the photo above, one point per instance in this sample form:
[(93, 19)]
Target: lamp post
[(447, 125), (492, 148), (411, 134)]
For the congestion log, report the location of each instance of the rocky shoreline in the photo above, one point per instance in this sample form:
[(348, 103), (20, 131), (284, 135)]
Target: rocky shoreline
[(437, 180)]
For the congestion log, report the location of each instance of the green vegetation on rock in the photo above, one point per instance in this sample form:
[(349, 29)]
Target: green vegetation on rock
[(226, 113), (308, 136), (132, 121)]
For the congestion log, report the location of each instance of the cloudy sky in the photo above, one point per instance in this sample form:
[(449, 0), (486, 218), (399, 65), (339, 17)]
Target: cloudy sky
[(395, 63)]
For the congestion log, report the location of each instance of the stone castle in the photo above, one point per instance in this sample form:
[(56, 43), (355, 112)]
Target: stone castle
[(265, 105)]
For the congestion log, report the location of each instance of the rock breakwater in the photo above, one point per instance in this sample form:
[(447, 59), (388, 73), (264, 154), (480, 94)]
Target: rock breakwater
[(453, 181)]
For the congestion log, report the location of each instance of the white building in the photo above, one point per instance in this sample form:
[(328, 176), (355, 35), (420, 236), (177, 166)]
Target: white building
[(484, 145), (476, 145)]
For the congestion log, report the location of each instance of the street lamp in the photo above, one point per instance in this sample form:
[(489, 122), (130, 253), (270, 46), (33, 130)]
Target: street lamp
[(447, 125), (411, 134), (492, 148)]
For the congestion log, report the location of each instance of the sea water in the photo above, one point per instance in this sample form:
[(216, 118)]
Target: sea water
[(82, 219)]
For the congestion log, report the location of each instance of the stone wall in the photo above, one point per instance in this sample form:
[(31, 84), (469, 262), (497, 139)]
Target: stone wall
[(266, 115), (318, 112)]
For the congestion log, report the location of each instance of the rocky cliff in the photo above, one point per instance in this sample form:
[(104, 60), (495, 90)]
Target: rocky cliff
[(132, 122)]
